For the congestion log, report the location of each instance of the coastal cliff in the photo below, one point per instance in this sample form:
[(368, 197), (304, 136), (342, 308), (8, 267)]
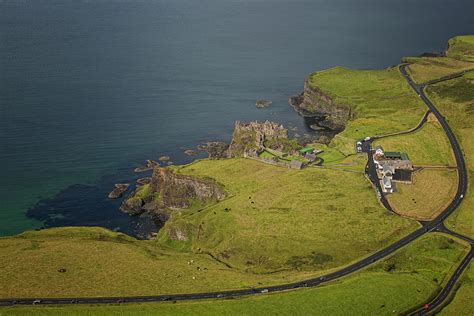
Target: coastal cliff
[(168, 190), (325, 113)]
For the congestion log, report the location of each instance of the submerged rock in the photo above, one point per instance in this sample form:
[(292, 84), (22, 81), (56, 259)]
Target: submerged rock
[(120, 188), (164, 158), (190, 152), (263, 103)]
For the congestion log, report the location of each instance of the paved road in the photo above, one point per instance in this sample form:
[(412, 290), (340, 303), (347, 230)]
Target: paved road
[(427, 227), (437, 223)]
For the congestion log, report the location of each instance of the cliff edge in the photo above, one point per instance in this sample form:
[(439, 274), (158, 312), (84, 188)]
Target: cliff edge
[(326, 113)]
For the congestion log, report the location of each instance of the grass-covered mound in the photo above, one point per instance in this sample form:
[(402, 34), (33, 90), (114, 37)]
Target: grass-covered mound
[(429, 194), (455, 100), (282, 219), (395, 285), (459, 57), (426, 146), (380, 100)]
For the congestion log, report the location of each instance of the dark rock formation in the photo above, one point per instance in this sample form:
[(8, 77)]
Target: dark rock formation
[(168, 190), (133, 205), (216, 150), (327, 114), (179, 191), (263, 103), (150, 164), (120, 188)]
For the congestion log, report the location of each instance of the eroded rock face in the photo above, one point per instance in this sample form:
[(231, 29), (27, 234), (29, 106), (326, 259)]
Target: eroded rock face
[(168, 190), (314, 103), (179, 191)]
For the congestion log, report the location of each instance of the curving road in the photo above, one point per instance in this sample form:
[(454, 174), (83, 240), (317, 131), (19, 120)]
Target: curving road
[(434, 225)]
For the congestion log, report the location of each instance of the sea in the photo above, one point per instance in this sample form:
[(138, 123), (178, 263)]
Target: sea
[(90, 89)]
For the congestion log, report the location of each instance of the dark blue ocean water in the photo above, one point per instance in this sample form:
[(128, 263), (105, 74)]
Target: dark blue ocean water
[(90, 89)]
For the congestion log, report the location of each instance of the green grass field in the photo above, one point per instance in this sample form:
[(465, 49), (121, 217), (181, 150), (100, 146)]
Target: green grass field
[(280, 219), (381, 100), (455, 100), (423, 69), (428, 195), (426, 146), (403, 281)]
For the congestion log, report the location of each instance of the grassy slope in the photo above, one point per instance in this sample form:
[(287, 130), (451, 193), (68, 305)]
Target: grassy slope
[(406, 279), (280, 230), (455, 100), (427, 146), (427, 196), (423, 69), (282, 219), (381, 99), (460, 57), (462, 302)]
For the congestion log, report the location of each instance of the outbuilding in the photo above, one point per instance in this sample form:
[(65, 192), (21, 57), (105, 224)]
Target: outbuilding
[(296, 164)]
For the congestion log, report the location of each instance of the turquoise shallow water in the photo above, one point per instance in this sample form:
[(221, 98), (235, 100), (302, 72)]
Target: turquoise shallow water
[(89, 89)]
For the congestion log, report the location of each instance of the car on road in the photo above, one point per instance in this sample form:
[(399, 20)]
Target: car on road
[(264, 291), (35, 302), (359, 149)]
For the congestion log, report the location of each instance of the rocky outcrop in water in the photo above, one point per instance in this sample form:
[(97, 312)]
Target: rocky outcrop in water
[(168, 190), (263, 103), (150, 164), (120, 188), (325, 112)]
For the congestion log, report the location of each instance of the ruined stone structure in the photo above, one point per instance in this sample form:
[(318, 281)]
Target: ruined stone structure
[(248, 138)]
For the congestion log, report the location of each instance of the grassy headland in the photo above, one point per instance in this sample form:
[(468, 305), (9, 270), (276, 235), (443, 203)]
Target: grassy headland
[(380, 101)]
